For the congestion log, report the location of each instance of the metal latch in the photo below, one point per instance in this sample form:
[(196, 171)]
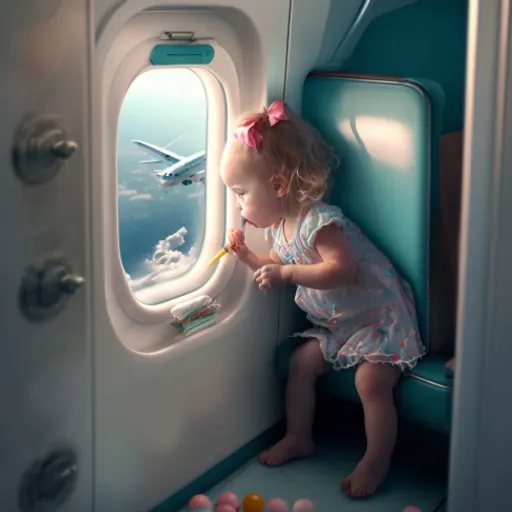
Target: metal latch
[(49, 482), (46, 288), (40, 147), (182, 36)]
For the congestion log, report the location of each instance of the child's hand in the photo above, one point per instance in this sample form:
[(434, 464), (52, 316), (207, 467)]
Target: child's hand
[(236, 242), (269, 277)]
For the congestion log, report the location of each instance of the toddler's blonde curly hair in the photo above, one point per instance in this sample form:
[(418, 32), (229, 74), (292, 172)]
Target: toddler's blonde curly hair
[(292, 149)]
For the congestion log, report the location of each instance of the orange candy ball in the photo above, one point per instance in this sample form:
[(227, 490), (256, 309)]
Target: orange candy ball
[(253, 503)]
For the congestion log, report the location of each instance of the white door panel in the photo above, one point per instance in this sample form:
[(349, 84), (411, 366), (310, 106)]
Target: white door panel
[(46, 364)]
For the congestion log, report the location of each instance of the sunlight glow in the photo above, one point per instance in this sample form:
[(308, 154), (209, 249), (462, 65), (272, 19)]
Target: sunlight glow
[(386, 140), (185, 85)]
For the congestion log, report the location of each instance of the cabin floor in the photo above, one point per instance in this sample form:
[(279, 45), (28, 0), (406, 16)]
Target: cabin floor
[(418, 474)]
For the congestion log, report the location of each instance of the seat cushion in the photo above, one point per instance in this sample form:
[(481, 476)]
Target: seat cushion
[(423, 395), (385, 132)]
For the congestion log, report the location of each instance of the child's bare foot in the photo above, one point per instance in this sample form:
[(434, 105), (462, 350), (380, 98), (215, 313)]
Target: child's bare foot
[(366, 477), (287, 449)]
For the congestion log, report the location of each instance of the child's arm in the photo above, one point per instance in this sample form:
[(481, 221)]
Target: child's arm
[(254, 262), (338, 266)]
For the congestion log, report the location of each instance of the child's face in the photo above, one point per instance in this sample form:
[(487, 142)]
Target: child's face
[(256, 197)]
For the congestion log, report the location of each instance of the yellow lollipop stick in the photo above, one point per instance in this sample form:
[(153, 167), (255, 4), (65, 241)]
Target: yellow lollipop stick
[(218, 256), (225, 249)]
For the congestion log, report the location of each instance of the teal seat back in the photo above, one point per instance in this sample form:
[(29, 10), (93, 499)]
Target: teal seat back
[(386, 134)]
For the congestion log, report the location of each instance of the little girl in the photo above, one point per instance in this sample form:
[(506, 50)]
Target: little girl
[(362, 311)]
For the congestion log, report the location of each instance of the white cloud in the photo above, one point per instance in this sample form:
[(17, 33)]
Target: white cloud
[(195, 195), (138, 171), (123, 191), (141, 197), (167, 261)]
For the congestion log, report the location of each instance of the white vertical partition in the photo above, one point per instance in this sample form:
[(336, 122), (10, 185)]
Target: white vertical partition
[(46, 364), (481, 452)]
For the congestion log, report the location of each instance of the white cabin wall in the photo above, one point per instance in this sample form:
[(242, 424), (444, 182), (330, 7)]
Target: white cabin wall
[(102, 8), (316, 28)]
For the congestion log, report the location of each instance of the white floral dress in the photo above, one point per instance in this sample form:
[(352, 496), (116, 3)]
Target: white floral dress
[(373, 320)]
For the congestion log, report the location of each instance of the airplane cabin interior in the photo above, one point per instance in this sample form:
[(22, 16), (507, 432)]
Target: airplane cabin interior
[(115, 404)]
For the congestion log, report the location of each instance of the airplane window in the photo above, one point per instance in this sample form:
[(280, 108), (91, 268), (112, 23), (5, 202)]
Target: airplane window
[(161, 173)]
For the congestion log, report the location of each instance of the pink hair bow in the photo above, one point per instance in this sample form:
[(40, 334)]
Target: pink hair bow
[(248, 132), (276, 112)]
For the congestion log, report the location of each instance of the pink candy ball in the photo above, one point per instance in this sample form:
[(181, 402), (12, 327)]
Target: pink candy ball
[(277, 505), (224, 508), (303, 506), (228, 498), (412, 509), (200, 501)]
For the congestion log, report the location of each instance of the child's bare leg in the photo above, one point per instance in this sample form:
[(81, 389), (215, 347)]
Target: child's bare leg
[(374, 383), (306, 365)]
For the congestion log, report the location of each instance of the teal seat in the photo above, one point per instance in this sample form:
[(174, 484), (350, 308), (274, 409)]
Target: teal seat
[(386, 132)]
